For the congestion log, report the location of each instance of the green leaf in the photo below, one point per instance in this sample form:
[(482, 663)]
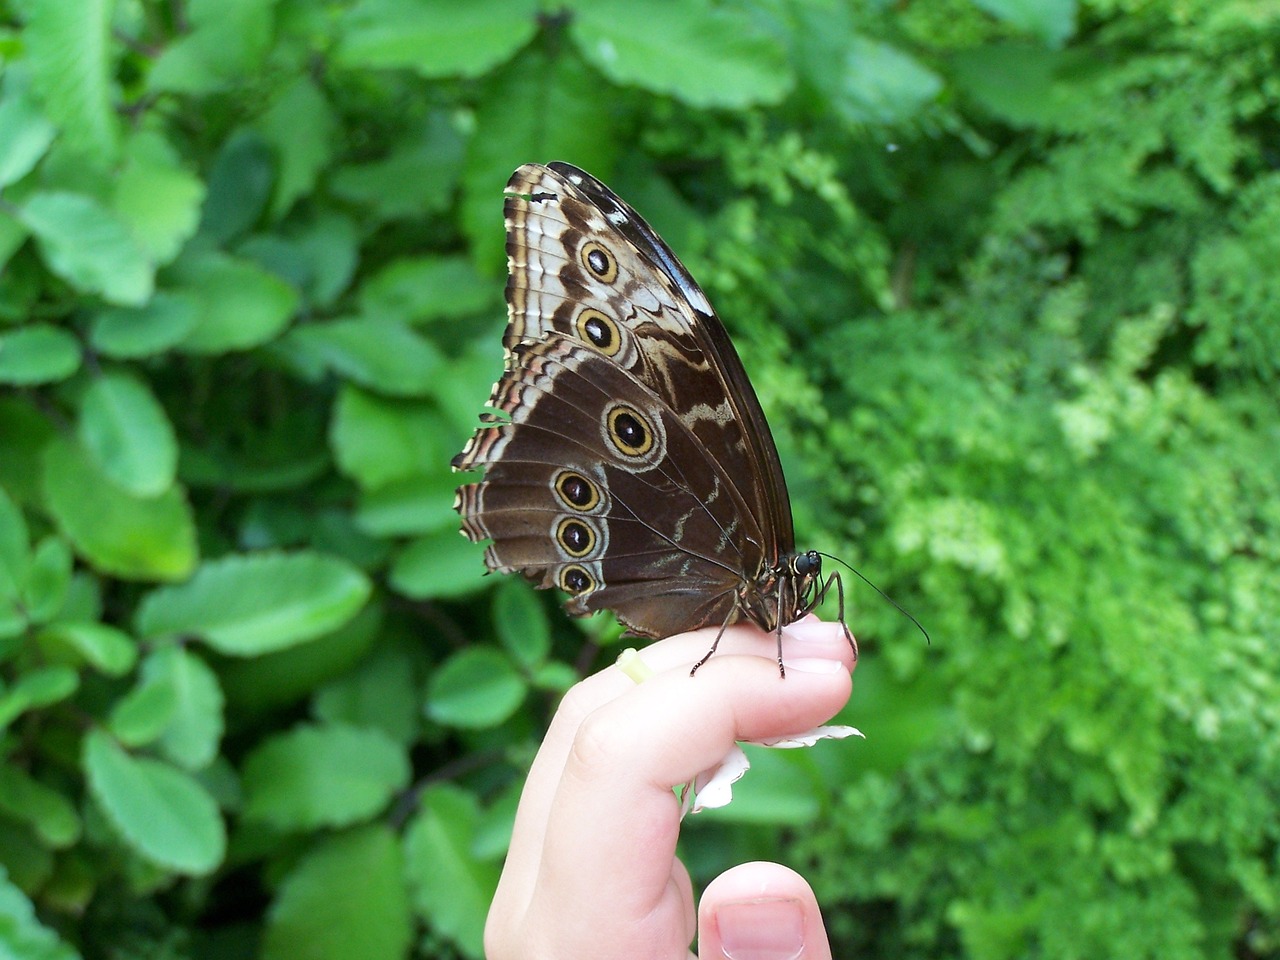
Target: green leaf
[(378, 439), (475, 688), (140, 716), (89, 247), (226, 44), (37, 353), (68, 50), (1053, 21), (416, 177), (37, 688), (323, 776), (380, 693), (247, 605), (300, 128), (240, 305), (22, 936), (428, 288), (384, 355), (157, 196), (15, 559), (29, 801), (103, 647), (130, 537), (190, 728), (48, 580), (161, 812), (127, 432), (414, 505), (521, 622), (538, 106), (433, 39), (439, 565), (882, 84), (451, 888), (239, 187), (128, 332), (25, 135), (344, 900), (24, 434), (707, 57)]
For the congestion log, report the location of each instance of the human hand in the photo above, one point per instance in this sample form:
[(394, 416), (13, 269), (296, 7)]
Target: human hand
[(592, 870)]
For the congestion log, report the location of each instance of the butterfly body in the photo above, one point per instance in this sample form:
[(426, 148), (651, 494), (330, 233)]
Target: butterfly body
[(626, 459)]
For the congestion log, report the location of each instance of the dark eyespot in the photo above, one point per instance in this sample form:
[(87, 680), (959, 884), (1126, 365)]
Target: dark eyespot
[(575, 579), (599, 261), (576, 537), (629, 432), (598, 330), (576, 490)]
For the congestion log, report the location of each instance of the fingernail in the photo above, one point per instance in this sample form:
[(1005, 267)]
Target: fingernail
[(765, 929), (812, 631), (813, 665)]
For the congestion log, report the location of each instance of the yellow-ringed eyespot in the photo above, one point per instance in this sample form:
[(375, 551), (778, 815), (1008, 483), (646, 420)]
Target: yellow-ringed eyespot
[(599, 261), (629, 431), (576, 579), (577, 538), (598, 330), (576, 491)]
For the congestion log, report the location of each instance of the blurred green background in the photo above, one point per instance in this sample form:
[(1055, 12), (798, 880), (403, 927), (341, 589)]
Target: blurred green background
[(1005, 273)]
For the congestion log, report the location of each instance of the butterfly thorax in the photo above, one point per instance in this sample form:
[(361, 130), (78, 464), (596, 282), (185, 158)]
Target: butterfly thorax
[(783, 592)]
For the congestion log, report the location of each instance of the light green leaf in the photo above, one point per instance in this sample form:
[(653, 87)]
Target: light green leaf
[(475, 688), (37, 353), (384, 355), (48, 580), (127, 432), (106, 649), (130, 537), (227, 43), (161, 812), (190, 727), (521, 623), (15, 545), (412, 506), (27, 800), (299, 127), (22, 936), (1052, 21), (436, 40), (240, 305), (323, 776), (707, 57), (129, 332), (37, 688), (157, 196), (345, 900), (25, 135), (883, 84), (538, 106), (247, 605), (451, 888), (380, 439), (69, 52), (443, 564), (140, 716), (89, 247), (428, 288)]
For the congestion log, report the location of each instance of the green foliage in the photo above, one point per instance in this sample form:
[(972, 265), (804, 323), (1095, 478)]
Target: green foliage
[(1003, 273)]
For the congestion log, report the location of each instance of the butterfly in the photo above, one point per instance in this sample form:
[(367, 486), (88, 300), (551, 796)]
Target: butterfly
[(625, 456)]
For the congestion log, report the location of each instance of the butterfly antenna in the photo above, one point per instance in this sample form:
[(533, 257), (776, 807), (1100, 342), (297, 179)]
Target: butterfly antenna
[(897, 606)]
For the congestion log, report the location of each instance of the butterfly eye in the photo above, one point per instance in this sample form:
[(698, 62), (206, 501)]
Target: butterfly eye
[(628, 431), (600, 262), (575, 579), (599, 330), (577, 491), (576, 537)]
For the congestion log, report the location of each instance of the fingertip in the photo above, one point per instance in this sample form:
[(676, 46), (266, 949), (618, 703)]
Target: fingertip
[(761, 910)]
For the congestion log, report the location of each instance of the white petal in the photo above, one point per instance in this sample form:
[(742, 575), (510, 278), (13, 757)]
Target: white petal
[(810, 737)]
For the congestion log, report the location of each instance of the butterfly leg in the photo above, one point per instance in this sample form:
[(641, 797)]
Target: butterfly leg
[(848, 634), (716, 642)]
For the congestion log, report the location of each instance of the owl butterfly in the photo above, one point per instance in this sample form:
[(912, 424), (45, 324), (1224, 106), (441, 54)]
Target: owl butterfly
[(626, 458)]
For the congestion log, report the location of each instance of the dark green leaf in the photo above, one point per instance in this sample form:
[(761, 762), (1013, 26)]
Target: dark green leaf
[(521, 622)]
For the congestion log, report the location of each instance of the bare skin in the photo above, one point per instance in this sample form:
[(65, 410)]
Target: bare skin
[(592, 870)]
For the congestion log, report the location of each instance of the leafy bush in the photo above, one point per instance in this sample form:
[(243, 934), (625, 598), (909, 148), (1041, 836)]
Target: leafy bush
[(1003, 274)]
